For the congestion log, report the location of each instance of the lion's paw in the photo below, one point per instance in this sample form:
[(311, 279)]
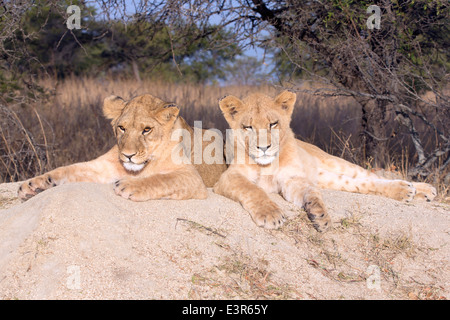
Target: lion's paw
[(34, 186), (424, 191), (269, 216), (131, 189)]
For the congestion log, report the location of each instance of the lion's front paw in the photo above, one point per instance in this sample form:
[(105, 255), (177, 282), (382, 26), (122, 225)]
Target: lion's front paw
[(424, 191), (131, 189), (317, 213), (33, 186), (269, 216)]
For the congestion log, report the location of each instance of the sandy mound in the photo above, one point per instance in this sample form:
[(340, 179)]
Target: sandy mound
[(81, 241)]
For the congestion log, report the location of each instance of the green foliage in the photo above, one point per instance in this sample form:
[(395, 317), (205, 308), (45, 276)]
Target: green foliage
[(52, 46), (172, 54), (143, 47), (246, 70), (417, 31), (423, 38), (9, 87)]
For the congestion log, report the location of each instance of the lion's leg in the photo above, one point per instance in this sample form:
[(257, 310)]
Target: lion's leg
[(396, 189), (179, 185), (335, 171), (100, 170), (304, 194), (264, 212)]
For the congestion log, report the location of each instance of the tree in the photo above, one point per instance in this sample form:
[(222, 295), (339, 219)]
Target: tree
[(139, 45), (246, 70), (181, 53)]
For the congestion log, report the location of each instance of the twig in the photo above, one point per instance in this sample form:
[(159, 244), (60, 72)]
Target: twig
[(44, 135), (173, 53), (195, 224), (403, 117)]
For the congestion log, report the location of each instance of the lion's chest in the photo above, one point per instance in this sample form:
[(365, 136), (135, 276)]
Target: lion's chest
[(267, 183)]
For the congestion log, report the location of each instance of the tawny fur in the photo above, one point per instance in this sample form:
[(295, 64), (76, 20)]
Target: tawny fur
[(140, 164), (299, 170)]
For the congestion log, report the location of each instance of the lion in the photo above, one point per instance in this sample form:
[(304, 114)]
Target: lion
[(280, 163), (140, 164)]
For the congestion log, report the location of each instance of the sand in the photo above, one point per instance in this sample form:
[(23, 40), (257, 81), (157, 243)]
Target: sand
[(81, 241)]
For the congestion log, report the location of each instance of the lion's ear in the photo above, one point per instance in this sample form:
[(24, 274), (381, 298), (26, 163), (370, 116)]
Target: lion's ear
[(168, 113), (230, 106), (112, 107), (286, 101)]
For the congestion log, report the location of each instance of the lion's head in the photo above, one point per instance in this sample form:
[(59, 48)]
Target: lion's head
[(259, 123), (141, 126)]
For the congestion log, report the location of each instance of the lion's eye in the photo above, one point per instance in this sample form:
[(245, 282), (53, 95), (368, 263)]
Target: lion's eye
[(146, 130), (248, 128), (121, 128), (273, 125)]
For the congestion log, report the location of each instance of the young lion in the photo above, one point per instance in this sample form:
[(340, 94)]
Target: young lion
[(277, 162), (140, 164)]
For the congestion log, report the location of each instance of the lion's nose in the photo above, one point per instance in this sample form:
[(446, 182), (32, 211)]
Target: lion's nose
[(129, 156), (264, 149)]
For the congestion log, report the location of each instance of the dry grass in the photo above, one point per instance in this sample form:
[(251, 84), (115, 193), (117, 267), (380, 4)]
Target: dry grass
[(240, 277), (237, 275), (5, 202)]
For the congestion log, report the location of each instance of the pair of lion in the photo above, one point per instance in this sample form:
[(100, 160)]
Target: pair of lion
[(141, 168)]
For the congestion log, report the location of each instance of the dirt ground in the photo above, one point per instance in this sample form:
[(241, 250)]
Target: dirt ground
[(81, 241)]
